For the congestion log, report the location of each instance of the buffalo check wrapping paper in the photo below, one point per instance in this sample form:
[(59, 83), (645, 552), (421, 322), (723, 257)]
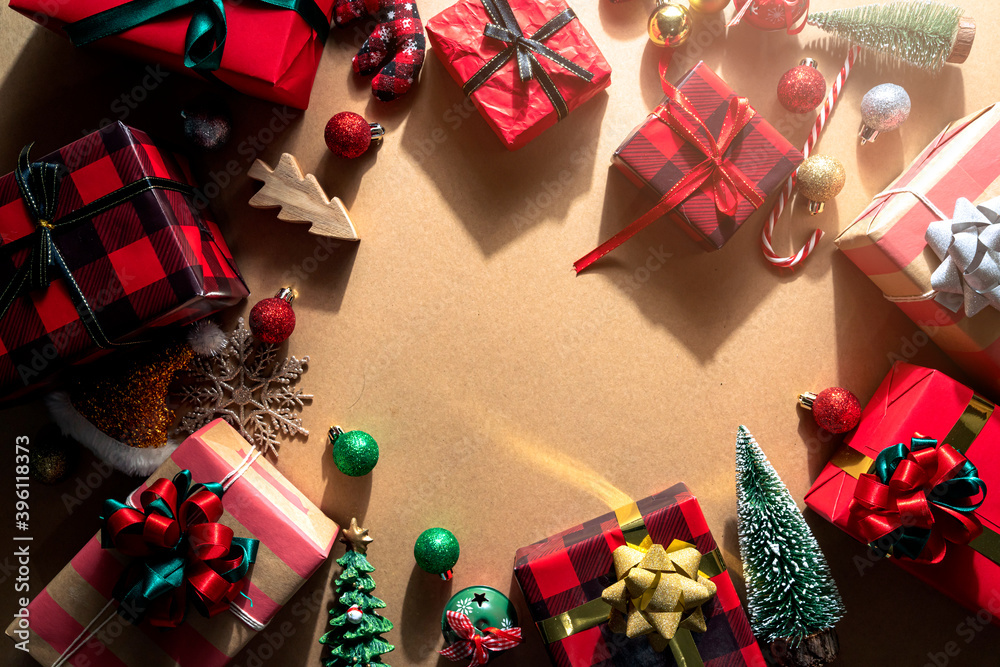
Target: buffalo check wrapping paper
[(295, 539), (156, 260), (567, 570), (886, 240), (655, 157)]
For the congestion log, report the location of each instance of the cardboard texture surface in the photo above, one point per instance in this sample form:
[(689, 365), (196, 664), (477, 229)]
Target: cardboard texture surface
[(510, 398)]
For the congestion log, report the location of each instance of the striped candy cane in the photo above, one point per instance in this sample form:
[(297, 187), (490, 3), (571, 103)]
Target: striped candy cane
[(786, 193)]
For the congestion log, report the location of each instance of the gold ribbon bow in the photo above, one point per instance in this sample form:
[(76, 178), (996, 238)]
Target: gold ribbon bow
[(659, 591)]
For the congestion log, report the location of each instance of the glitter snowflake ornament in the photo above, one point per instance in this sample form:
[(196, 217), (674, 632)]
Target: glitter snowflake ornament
[(247, 386)]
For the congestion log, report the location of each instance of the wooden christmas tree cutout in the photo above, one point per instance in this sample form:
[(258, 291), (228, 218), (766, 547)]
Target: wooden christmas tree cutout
[(300, 198)]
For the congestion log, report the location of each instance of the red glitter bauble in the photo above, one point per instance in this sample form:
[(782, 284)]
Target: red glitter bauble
[(348, 134), (272, 320), (836, 410), (801, 89), (773, 14)]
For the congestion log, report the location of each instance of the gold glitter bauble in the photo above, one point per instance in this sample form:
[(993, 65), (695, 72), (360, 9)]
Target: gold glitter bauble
[(52, 457), (669, 25), (820, 179), (709, 6)]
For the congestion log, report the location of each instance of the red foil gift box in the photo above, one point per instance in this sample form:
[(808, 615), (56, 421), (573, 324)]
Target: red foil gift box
[(562, 578), (481, 52), (295, 540), (919, 401), (129, 249), (267, 51), (655, 156)]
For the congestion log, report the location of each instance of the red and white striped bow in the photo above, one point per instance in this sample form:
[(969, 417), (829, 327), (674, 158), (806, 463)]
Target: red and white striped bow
[(472, 643)]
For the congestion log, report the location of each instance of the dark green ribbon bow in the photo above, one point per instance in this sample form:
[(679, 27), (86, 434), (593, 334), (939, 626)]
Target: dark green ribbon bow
[(206, 33), (504, 27), (181, 553), (38, 184)]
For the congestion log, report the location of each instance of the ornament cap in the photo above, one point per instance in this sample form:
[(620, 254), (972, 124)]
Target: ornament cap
[(377, 133), (810, 62), (286, 294), (806, 399), (815, 207), (867, 134)]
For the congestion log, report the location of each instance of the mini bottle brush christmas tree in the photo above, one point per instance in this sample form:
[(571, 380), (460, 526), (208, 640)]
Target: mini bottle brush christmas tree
[(792, 597), (354, 639), (922, 33)]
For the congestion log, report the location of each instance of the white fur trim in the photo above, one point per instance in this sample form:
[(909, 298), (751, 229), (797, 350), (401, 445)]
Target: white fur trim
[(141, 461)]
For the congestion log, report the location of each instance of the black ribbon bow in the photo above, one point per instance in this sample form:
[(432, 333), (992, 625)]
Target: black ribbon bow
[(38, 184), (504, 27)]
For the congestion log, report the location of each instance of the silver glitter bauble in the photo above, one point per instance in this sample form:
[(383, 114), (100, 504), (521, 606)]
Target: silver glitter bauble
[(883, 108)]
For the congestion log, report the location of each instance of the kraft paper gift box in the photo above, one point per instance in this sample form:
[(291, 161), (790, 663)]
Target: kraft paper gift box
[(133, 251), (268, 51), (518, 109), (295, 539), (887, 240), (562, 578), (919, 401)]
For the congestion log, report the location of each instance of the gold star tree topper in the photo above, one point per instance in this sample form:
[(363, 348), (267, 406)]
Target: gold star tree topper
[(356, 537)]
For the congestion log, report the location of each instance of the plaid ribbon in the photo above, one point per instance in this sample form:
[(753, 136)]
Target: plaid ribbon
[(504, 27), (38, 184), (476, 645)]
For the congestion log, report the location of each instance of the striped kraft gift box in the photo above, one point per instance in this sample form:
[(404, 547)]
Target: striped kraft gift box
[(295, 538), (887, 240)]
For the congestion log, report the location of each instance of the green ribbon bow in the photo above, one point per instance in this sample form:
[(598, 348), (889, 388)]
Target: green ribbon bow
[(206, 33)]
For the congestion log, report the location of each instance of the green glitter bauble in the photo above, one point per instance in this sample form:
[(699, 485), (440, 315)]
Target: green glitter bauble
[(355, 453), (436, 550)]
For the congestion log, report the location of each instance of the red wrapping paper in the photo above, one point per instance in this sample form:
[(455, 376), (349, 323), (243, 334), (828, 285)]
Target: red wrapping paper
[(295, 535), (912, 400), (157, 260), (569, 569), (655, 157), (517, 111), (269, 53)]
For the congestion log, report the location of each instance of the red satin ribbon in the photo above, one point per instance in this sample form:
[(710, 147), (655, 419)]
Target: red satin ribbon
[(878, 509), (727, 180), (209, 547), (475, 645)]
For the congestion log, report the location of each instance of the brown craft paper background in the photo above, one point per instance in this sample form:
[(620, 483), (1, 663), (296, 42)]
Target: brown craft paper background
[(510, 398)]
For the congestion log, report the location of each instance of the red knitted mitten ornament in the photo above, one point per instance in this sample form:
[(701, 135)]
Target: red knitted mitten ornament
[(394, 51)]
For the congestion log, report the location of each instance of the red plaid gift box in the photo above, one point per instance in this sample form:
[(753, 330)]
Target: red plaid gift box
[(708, 198), (479, 43), (562, 578), (152, 260), (264, 48)]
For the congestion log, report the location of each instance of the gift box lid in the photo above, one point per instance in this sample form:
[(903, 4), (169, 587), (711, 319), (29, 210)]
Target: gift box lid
[(657, 156), (912, 400)]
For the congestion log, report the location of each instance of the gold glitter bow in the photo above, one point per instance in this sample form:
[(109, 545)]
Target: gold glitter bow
[(659, 591)]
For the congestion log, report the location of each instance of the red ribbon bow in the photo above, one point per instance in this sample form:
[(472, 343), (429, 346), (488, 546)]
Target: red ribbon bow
[(727, 180), (474, 644), (916, 502), (177, 543)]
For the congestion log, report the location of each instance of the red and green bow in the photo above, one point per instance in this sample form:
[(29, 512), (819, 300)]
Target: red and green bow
[(476, 645), (181, 554), (919, 499)]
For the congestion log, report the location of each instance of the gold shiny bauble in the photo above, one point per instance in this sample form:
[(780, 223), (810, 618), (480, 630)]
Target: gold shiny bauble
[(820, 179), (709, 6), (669, 24)]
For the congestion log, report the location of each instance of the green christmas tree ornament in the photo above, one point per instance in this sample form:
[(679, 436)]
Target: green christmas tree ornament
[(922, 33), (355, 453), (479, 622), (793, 600), (355, 638), (436, 551)]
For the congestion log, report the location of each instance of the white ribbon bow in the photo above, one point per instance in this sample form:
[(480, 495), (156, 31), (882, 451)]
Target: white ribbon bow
[(969, 248)]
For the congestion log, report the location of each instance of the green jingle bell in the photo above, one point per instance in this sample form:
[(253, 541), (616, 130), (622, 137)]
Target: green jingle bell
[(486, 608)]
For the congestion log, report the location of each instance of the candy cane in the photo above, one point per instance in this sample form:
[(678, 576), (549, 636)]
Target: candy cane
[(786, 193)]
